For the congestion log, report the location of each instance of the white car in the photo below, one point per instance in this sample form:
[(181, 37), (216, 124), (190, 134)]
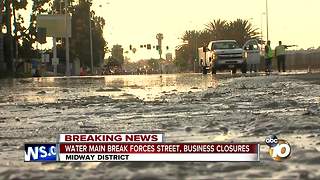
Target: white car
[(227, 54)]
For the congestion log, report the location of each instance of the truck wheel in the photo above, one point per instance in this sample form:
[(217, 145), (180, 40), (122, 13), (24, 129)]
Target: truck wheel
[(204, 70), (244, 68), (234, 71), (213, 70)]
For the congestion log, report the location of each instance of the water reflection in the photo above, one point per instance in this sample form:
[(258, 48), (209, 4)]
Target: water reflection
[(146, 87)]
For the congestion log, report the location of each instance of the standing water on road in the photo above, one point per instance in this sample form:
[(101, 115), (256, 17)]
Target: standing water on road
[(186, 107)]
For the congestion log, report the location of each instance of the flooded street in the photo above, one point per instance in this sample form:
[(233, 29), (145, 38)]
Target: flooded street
[(186, 107)]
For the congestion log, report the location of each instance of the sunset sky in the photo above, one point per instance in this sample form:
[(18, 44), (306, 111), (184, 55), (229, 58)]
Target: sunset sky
[(138, 21)]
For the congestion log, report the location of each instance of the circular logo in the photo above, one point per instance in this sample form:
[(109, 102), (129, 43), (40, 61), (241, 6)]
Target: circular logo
[(280, 151), (271, 140)]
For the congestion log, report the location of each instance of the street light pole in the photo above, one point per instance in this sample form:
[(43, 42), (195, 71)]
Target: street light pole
[(54, 48), (261, 26), (67, 39), (196, 55), (160, 38), (262, 14), (267, 19), (15, 30), (10, 64), (91, 48)]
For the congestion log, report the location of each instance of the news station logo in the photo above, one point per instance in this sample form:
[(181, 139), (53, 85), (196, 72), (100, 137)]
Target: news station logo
[(40, 152), (279, 149)]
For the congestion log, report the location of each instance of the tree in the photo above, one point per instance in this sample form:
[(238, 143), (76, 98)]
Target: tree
[(218, 29), (99, 43), (239, 30), (183, 57), (14, 34), (112, 62), (188, 53), (26, 36), (154, 64), (80, 40), (117, 54), (38, 7)]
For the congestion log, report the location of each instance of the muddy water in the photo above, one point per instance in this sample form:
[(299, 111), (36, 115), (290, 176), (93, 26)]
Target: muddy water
[(186, 107)]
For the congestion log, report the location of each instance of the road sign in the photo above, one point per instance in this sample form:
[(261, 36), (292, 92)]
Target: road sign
[(55, 25), (55, 61), (45, 58)]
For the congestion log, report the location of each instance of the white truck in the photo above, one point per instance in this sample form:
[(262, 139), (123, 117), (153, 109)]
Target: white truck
[(226, 54)]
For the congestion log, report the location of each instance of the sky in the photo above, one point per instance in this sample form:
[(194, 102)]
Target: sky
[(137, 22)]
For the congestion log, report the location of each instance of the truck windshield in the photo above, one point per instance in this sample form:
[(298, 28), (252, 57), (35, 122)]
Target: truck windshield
[(225, 45)]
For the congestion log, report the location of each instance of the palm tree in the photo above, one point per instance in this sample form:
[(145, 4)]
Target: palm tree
[(192, 37), (197, 39), (204, 38), (239, 30), (242, 30), (217, 29), (189, 35)]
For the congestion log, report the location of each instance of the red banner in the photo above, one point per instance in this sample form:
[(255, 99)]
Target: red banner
[(158, 148)]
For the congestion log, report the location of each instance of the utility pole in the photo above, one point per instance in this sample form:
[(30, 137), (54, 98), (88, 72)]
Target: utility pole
[(54, 49), (15, 30), (261, 35), (196, 55), (91, 48), (67, 38), (10, 64), (267, 19), (160, 38)]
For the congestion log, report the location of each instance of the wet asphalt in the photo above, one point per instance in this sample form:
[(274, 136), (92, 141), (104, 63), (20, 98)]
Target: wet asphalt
[(186, 107)]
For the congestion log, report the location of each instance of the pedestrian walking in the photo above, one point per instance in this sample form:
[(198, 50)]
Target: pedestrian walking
[(268, 57)]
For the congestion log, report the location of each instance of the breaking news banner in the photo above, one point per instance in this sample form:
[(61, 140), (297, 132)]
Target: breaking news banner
[(136, 147), (102, 138), (159, 152), (40, 152)]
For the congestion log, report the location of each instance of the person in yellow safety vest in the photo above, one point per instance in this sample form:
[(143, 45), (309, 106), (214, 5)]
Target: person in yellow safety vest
[(281, 56), (268, 57)]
